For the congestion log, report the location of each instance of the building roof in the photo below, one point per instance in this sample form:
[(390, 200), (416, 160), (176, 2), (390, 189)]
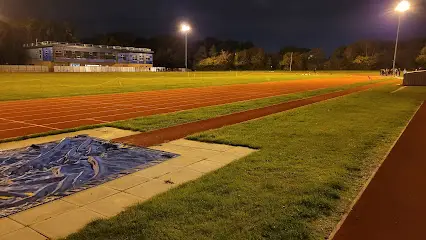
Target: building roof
[(119, 48)]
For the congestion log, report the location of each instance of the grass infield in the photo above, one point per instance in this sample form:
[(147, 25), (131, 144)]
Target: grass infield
[(18, 86), (311, 164)]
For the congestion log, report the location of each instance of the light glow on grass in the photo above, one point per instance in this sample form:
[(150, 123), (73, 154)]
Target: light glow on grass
[(312, 161), (18, 86)]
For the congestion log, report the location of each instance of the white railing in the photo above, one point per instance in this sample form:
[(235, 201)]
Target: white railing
[(99, 69), (23, 68)]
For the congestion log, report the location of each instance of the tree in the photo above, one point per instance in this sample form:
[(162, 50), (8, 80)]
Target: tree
[(289, 49), (275, 59), (337, 60), (286, 60), (200, 54), (38, 30), (316, 59), (257, 58), (223, 61), (300, 61), (269, 63), (242, 60), (12, 37), (213, 51), (421, 59), (365, 62)]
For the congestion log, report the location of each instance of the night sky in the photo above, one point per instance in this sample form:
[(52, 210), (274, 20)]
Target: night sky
[(268, 23)]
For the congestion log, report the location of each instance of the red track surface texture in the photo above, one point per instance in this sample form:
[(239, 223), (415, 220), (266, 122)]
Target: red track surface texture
[(19, 118), (393, 207), (176, 132)]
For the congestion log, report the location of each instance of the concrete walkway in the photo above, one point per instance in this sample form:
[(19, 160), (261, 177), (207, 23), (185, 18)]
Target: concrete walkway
[(65, 216)]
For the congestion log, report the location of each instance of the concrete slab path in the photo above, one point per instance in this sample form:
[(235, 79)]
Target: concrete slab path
[(62, 217)]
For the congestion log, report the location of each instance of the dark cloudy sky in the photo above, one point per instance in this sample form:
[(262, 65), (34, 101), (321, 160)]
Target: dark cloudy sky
[(268, 23)]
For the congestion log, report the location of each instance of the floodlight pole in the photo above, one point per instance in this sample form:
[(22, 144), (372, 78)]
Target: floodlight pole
[(291, 60), (186, 50), (396, 44)]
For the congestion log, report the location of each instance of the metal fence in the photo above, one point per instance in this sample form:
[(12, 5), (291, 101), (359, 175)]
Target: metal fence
[(417, 78), (99, 69), (23, 68)]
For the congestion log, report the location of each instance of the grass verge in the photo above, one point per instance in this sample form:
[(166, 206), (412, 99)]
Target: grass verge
[(311, 164)]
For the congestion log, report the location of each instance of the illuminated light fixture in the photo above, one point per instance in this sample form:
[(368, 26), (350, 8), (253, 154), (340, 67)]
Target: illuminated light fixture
[(185, 27), (403, 6)]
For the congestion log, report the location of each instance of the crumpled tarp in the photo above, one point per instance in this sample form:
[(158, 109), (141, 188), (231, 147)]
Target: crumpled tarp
[(42, 173)]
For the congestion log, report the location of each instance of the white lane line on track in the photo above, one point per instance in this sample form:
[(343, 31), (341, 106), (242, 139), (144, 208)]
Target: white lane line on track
[(153, 109), (21, 103), (31, 124), (252, 94), (124, 101), (144, 108), (96, 120)]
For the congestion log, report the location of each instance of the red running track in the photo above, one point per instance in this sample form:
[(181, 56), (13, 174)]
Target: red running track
[(20, 118)]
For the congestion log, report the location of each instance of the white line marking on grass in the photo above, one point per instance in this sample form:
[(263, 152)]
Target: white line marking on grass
[(399, 89)]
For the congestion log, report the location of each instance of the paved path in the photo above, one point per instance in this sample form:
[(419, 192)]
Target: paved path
[(394, 204)]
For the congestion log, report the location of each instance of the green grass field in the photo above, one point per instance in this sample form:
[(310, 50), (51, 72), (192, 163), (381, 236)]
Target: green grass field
[(15, 86), (311, 164)]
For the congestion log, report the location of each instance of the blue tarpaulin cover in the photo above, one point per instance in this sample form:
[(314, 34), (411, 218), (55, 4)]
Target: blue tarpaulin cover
[(42, 173)]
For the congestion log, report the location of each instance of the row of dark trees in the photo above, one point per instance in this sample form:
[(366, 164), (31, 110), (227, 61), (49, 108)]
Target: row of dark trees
[(215, 54), (14, 34), (361, 55)]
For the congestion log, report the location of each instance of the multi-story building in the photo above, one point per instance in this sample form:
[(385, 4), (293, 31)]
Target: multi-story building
[(76, 54)]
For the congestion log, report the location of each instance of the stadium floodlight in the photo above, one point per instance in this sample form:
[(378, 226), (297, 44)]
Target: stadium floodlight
[(185, 28), (401, 8)]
